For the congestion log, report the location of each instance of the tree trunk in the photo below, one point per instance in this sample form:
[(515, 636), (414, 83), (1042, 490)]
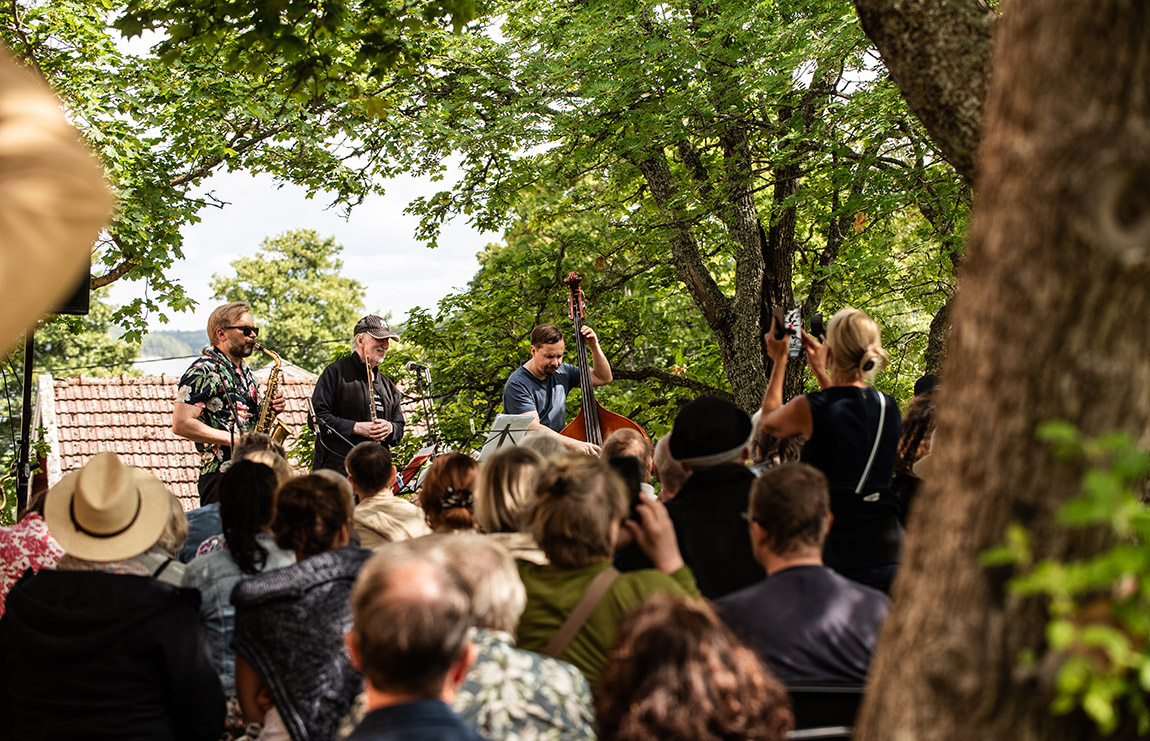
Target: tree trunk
[(1046, 326), (938, 53), (936, 339)]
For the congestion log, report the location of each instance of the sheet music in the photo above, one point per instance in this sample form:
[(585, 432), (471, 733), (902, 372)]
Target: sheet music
[(508, 429)]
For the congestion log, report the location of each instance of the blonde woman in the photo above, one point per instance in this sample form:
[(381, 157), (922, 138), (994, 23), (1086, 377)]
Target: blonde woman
[(851, 433)]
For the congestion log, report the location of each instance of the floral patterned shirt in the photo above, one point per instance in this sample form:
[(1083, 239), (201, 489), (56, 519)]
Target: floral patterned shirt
[(523, 696), (25, 545), (225, 392)]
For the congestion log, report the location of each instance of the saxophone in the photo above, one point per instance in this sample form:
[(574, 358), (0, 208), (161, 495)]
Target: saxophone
[(267, 423)]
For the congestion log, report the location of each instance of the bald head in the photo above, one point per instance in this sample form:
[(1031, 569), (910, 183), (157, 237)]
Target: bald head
[(411, 615)]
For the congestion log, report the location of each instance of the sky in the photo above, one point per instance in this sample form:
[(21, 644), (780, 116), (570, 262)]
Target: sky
[(380, 250)]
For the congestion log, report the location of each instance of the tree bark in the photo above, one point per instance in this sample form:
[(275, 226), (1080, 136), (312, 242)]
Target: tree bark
[(938, 53), (1057, 265), (936, 339)]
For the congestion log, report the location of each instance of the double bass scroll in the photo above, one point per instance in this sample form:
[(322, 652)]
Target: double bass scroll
[(594, 423)]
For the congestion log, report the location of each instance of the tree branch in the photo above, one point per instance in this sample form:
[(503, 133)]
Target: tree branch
[(938, 53), (645, 372)]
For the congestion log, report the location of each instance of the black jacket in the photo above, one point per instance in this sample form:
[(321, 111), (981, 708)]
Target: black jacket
[(93, 655), (713, 537), (340, 399)]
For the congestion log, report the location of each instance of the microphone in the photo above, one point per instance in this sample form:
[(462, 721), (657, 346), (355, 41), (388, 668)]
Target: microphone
[(311, 416), (414, 366), (325, 428)]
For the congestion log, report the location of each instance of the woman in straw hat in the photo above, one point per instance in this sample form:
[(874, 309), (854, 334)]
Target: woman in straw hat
[(98, 648)]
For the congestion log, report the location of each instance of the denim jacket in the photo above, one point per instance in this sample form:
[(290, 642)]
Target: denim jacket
[(215, 575)]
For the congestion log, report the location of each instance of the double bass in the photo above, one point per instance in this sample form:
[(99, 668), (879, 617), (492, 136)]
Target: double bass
[(594, 423)]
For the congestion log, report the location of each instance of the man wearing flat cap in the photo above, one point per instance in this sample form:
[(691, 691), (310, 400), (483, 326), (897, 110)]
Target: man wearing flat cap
[(347, 392), (710, 440)]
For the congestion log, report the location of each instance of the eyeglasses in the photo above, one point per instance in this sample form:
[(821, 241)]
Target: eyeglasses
[(248, 331), (751, 518)]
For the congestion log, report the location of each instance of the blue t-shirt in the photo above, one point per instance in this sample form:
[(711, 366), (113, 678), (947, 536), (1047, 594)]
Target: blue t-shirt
[(524, 393)]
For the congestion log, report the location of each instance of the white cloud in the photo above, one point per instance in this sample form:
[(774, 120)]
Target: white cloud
[(379, 247)]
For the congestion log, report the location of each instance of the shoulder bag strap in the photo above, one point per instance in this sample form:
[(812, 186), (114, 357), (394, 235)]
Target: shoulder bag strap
[(877, 438), (583, 609)]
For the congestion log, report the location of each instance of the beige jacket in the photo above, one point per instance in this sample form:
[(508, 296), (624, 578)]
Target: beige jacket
[(384, 518)]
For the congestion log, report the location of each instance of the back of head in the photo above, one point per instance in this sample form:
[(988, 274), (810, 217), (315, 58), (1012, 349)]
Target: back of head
[(310, 512), (225, 316), (369, 465), (627, 441), (669, 471), (497, 593), (855, 342), (411, 614), (547, 446), (914, 440), (446, 495), (790, 502), (710, 432), (176, 531), (251, 442), (505, 487), (578, 500), (247, 501), (676, 671), (272, 460), (546, 334)]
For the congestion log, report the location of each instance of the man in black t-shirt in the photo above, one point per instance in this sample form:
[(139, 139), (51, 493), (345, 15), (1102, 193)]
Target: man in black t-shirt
[(809, 624)]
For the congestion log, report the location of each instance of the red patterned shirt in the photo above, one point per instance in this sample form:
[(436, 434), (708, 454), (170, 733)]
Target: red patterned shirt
[(25, 545)]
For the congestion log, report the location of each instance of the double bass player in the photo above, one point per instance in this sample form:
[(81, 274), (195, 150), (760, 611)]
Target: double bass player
[(539, 387)]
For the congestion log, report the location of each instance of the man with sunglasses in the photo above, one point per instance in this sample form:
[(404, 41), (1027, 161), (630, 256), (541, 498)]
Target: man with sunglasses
[(218, 398)]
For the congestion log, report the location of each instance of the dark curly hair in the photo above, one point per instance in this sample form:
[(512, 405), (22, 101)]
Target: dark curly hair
[(914, 442), (446, 494), (677, 672), (310, 510)]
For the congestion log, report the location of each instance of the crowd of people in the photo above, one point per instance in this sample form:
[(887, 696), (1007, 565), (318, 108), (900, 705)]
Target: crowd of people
[(532, 595)]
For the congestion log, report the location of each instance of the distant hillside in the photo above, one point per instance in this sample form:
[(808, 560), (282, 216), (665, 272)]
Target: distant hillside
[(172, 343)]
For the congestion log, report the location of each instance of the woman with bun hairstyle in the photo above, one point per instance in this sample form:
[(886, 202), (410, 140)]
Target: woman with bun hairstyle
[(852, 433), (446, 495)]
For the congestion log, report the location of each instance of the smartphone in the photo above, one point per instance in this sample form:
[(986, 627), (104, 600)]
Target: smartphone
[(789, 323), (630, 470)]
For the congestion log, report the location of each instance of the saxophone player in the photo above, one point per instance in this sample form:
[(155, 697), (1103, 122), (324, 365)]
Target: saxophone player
[(353, 408), (218, 398)]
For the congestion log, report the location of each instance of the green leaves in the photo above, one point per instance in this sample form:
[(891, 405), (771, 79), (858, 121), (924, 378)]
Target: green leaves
[(1099, 607), (302, 302)]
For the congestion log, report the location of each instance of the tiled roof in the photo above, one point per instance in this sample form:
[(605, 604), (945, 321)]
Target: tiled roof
[(132, 416)]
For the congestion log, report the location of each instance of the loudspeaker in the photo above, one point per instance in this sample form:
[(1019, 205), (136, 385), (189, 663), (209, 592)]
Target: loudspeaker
[(78, 302)]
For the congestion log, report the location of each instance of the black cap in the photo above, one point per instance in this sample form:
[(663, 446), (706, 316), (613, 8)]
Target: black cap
[(376, 327)]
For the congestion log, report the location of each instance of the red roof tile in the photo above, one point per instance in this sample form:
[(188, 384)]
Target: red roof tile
[(132, 416)]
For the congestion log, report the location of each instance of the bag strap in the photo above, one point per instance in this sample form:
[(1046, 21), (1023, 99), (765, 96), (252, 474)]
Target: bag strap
[(583, 609), (877, 438)]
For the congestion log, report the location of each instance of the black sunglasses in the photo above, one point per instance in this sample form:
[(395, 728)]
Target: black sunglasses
[(248, 331)]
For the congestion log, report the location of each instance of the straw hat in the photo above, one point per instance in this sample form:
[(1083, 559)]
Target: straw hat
[(107, 511)]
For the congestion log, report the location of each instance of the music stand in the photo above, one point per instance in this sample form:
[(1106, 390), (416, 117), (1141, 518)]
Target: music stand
[(507, 429)]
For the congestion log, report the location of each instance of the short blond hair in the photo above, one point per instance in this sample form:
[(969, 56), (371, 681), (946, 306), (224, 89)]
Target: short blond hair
[(855, 342), (505, 487), (176, 531), (224, 316)]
